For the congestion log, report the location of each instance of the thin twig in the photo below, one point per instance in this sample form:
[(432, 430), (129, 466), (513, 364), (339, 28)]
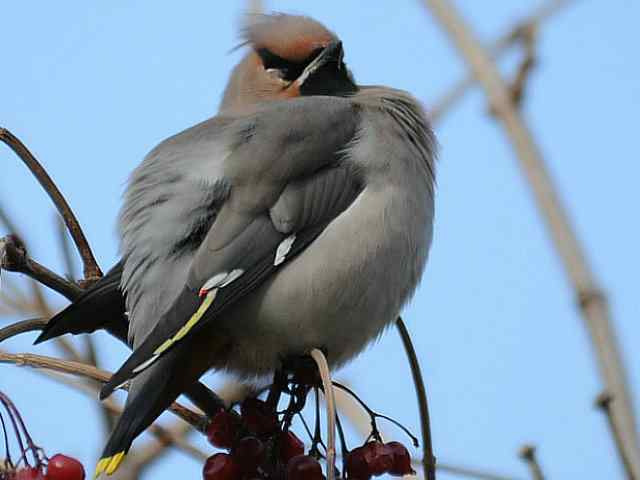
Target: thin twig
[(523, 74), (14, 258), (528, 454), (87, 371), (23, 326), (591, 300), (429, 459), (603, 403), (500, 46), (327, 385), (91, 269)]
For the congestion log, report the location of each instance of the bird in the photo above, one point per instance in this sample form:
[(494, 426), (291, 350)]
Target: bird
[(299, 217)]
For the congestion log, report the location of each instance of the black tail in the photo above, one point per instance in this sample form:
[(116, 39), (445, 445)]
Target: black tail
[(150, 394), (102, 306)]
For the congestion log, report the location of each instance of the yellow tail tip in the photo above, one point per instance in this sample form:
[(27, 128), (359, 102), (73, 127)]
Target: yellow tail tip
[(109, 465)]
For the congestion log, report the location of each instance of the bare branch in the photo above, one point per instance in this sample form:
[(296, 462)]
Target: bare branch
[(591, 300), (428, 459), (327, 385), (87, 371), (91, 269), (23, 326), (14, 258), (455, 93)]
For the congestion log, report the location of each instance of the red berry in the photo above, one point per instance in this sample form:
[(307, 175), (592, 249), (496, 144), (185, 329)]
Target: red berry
[(249, 453), (379, 458), (61, 467), (290, 446), (258, 417), (357, 467), (304, 467), (401, 459), (28, 473), (223, 429), (220, 466)]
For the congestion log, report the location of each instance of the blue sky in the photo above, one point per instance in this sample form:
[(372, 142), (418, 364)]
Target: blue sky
[(90, 87)]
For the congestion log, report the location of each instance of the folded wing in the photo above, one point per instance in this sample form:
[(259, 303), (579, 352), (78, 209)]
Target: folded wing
[(290, 176)]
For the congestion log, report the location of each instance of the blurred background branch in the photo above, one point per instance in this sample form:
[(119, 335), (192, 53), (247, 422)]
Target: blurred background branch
[(528, 454), (518, 33), (590, 297)]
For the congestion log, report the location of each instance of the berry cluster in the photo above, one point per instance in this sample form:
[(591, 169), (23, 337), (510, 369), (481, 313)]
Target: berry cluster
[(377, 458), (32, 463), (58, 467), (257, 447), (260, 445)]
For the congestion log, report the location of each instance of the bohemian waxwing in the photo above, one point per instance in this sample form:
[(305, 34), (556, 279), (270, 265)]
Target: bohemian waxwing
[(300, 217)]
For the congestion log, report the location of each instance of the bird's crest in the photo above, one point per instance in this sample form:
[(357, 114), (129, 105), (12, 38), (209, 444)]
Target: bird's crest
[(292, 37)]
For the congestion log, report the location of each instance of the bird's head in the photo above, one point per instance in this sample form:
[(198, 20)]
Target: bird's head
[(289, 56)]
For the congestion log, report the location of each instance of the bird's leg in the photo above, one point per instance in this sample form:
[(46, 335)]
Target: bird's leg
[(303, 369), (279, 384)]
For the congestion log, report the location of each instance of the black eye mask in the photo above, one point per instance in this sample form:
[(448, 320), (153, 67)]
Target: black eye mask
[(290, 70)]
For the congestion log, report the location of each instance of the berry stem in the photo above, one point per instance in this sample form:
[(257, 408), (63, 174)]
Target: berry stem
[(306, 426), (6, 403), (7, 456), (36, 452), (317, 436), (374, 433)]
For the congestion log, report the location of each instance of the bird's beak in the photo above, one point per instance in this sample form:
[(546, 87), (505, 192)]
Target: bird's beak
[(332, 53)]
